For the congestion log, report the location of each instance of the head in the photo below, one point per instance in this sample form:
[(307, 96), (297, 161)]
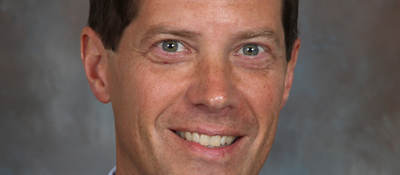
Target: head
[(196, 86)]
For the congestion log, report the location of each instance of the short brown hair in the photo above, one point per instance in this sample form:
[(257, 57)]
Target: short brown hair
[(109, 18)]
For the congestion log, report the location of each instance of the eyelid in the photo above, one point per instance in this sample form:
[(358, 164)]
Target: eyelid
[(239, 49), (158, 55), (180, 45), (261, 49)]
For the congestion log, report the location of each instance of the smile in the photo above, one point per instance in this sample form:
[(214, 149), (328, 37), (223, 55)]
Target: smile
[(215, 141)]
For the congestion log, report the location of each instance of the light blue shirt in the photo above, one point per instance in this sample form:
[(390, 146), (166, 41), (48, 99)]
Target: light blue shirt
[(112, 171)]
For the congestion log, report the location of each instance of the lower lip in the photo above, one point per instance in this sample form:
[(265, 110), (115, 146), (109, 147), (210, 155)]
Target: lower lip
[(209, 153)]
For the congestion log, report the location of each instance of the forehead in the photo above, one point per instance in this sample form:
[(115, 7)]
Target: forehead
[(207, 15)]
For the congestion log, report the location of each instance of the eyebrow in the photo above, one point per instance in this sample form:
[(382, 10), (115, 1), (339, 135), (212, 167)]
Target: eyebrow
[(162, 29), (265, 33), (242, 35)]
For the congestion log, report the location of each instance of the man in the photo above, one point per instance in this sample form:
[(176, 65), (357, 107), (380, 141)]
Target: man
[(196, 86)]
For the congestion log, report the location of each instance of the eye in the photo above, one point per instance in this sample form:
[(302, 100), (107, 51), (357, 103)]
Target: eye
[(172, 46), (251, 50)]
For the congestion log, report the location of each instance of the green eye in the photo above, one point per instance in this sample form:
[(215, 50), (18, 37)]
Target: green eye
[(251, 50), (171, 46)]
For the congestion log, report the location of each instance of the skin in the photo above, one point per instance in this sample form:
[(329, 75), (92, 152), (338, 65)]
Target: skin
[(209, 86)]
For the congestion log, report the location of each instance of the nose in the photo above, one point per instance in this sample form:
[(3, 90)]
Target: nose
[(212, 88)]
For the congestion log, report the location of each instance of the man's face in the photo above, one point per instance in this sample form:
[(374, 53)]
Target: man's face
[(197, 86)]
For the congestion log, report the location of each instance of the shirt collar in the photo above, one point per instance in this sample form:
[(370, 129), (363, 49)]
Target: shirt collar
[(112, 171)]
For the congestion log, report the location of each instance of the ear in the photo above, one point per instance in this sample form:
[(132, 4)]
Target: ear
[(290, 71), (94, 59)]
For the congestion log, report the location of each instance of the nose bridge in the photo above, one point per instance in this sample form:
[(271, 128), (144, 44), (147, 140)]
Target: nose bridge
[(216, 80), (212, 87)]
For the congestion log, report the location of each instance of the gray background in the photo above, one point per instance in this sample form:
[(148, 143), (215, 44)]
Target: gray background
[(343, 117)]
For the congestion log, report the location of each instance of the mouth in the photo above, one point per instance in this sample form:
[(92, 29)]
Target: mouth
[(215, 141), (209, 144)]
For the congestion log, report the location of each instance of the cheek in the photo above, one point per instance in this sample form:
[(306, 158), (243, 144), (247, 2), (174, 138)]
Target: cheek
[(148, 90), (140, 96), (263, 93)]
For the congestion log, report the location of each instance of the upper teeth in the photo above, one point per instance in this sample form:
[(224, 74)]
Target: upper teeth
[(205, 140)]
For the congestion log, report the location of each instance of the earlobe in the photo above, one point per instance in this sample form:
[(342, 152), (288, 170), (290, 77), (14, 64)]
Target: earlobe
[(94, 59), (290, 71)]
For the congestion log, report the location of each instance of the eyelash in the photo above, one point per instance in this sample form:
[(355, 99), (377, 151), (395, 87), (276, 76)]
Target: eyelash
[(159, 55), (239, 51), (184, 50), (180, 44)]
